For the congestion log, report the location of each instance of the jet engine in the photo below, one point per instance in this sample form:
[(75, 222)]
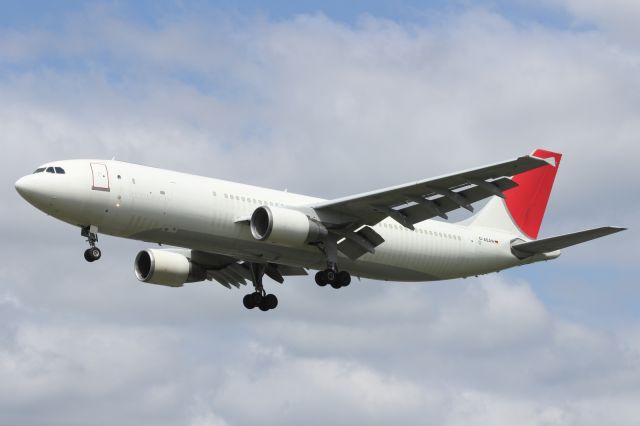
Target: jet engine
[(285, 227), (166, 267)]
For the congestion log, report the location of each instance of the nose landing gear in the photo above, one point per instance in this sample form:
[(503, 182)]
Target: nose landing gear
[(93, 253)]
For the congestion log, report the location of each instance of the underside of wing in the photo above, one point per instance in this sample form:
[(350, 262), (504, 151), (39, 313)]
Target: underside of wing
[(229, 271)]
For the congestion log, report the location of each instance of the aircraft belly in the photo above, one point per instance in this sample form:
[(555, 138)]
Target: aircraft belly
[(256, 251)]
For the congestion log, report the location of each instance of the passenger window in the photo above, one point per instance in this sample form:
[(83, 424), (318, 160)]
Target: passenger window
[(50, 170), (60, 171), (40, 170)]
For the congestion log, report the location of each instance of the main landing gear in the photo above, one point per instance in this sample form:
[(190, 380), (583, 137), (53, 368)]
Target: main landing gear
[(259, 298), (333, 278), (331, 275), (93, 253)]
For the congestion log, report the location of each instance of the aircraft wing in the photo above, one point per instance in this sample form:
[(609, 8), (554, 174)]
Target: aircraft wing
[(415, 202), (229, 271), (418, 201), (546, 245)]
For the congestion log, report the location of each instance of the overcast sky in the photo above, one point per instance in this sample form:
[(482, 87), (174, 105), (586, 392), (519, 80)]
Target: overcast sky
[(328, 99)]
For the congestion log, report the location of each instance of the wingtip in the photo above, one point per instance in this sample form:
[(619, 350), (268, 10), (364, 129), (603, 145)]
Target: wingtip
[(613, 229), (550, 157)]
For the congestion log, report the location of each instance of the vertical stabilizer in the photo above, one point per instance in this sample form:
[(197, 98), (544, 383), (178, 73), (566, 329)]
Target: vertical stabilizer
[(522, 210)]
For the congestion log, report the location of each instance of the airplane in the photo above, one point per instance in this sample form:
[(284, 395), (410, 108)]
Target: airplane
[(233, 233)]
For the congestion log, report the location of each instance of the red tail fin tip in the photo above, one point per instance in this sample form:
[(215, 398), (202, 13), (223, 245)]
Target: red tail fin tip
[(527, 202)]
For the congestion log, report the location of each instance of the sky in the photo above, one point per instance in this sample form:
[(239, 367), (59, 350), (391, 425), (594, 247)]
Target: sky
[(327, 99)]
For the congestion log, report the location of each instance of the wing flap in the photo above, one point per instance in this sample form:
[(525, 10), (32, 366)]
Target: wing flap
[(289, 271), (547, 245), (229, 271), (429, 208), (355, 244)]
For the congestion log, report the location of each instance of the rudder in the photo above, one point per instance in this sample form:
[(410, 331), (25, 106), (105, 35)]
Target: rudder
[(523, 208), (528, 201)]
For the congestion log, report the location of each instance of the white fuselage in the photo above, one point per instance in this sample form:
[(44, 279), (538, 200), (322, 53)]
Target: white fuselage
[(177, 209)]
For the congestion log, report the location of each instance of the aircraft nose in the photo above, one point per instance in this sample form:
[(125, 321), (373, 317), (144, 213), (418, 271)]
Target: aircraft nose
[(22, 186), (27, 188)]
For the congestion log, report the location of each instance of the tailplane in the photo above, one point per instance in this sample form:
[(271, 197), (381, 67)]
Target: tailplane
[(523, 250), (522, 210)]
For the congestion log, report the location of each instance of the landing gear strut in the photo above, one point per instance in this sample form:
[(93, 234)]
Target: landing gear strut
[(331, 275), (93, 253), (259, 298)]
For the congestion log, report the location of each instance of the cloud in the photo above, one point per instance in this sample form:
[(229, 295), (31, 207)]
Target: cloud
[(561, 373), (328, 109), (618, 17)]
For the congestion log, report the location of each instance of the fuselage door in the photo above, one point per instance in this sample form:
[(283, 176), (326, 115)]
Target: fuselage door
[(100, 177)]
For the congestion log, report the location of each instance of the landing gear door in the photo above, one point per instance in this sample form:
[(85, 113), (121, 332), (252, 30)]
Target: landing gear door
[(100, 177)]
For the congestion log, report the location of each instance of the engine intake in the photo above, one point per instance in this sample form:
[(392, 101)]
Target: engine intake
[(285, 227), (165, 267)]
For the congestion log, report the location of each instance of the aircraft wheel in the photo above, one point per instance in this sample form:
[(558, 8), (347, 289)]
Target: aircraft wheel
[(320, 279), (95, 253), (343, 278), (87, 255), (92, 254), (271, 301), (256, 298), (247, 301), (329, 276)]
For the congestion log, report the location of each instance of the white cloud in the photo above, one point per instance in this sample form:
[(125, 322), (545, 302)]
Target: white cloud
[(618, 17)]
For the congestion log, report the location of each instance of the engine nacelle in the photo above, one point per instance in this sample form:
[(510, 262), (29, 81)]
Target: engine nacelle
[(285, 227), (165, 267)]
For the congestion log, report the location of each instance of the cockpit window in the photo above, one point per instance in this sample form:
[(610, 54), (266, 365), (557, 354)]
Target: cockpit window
[(53, 169)]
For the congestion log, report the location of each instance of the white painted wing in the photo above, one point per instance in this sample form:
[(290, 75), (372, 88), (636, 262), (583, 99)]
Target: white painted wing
[(418, 201)]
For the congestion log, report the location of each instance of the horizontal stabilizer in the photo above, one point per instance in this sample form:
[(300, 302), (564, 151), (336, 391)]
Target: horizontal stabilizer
[(547, 245)]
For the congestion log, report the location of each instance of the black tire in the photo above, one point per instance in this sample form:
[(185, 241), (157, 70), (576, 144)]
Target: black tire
[(344, 278), (263, 306), (330, 276), (320, 279), (247, 301), (336, 285), (256, 298), (271, 301), (95, 253), (87, 255)]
